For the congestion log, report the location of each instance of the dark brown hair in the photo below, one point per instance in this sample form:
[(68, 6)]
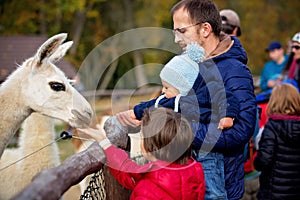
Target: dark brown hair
[(167, 135), (201, 11), (285, 99)]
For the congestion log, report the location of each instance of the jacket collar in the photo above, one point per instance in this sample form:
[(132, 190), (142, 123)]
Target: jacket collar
[(224, 45)]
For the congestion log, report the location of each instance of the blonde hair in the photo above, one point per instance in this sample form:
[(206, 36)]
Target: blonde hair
[(285, 99)]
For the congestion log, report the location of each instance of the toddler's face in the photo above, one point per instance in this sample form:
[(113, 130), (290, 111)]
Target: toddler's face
[(169, 90)]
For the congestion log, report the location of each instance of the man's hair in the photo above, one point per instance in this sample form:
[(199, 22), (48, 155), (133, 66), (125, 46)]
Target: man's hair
[(167, 135), (285, 99), (201, 11)]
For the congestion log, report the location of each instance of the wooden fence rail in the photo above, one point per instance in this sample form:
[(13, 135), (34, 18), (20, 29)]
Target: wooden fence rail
[(53, 183)]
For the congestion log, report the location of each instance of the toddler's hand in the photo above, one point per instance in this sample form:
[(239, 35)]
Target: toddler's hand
[(226, 122)]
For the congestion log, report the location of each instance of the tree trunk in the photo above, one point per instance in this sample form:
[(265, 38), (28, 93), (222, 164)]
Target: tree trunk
[(43, 26), (79, 21), (137, 55)]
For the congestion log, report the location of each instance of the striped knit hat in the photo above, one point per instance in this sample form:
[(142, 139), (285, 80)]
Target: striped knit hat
[(182, 70)]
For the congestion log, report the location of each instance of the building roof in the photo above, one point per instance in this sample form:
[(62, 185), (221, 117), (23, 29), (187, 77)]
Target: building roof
[(16, 49)]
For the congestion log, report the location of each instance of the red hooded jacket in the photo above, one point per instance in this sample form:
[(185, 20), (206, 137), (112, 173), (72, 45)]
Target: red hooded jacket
[(157, 180)]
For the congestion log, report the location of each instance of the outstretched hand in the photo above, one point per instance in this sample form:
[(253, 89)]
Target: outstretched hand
[(88, 133), (127, 118)]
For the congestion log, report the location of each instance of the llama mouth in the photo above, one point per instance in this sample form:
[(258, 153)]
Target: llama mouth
[(80, 120)]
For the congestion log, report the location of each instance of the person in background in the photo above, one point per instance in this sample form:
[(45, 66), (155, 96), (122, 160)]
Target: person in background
[(230, 22), (171, 172), (291, 70), (271, 72), (278, 156), (200, 21)]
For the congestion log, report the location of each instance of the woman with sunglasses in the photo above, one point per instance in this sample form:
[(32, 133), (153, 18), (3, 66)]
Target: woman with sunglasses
[(291, 70)]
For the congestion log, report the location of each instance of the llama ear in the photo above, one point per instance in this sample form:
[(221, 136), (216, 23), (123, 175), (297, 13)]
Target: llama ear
[(49, 47), (60, 52)]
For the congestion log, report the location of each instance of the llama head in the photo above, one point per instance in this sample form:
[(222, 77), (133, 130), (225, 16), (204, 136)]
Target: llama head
[(48, 91)]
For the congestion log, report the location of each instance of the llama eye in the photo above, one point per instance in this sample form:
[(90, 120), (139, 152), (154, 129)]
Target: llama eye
[(57, 86)]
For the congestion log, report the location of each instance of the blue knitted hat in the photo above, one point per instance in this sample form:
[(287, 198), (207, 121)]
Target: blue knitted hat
[(182, 71)]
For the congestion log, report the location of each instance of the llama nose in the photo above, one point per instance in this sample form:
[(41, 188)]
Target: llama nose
[(82, 119)]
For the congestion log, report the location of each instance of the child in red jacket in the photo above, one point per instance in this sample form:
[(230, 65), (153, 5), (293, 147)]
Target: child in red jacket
[(171, 172)]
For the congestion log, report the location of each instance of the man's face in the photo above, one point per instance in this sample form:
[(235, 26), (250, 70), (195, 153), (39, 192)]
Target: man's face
[(185, 30)]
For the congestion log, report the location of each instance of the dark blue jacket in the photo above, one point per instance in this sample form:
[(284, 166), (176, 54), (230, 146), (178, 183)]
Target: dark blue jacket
[(238, 79), (230, 68)]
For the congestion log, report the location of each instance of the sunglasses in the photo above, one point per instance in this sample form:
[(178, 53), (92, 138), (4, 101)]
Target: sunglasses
[(296, 47), (183, 29)]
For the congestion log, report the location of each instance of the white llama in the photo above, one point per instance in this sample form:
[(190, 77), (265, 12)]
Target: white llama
[(39, 86), (38, 131)]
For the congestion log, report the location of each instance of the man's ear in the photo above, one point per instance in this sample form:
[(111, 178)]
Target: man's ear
[(206, 29), (235, 30)]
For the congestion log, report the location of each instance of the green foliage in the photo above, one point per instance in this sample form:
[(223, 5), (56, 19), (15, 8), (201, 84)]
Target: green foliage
[(261, 22)]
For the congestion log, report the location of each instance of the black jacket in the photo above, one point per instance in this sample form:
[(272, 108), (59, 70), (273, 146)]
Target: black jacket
[(278, 158)]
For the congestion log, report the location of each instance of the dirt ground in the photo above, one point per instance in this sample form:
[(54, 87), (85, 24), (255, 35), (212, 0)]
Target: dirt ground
[(73, 193)]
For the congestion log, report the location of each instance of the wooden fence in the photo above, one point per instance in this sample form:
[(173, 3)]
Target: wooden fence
[(53, 183)]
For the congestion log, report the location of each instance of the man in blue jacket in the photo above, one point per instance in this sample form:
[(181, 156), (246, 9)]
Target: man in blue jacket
[(200, 22)]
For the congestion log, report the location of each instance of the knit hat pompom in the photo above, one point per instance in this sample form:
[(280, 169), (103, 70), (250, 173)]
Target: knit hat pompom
[(180, 72), (195, 52)]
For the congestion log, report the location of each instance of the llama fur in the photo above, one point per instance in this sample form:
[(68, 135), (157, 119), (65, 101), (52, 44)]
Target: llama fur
[(37, 132)]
